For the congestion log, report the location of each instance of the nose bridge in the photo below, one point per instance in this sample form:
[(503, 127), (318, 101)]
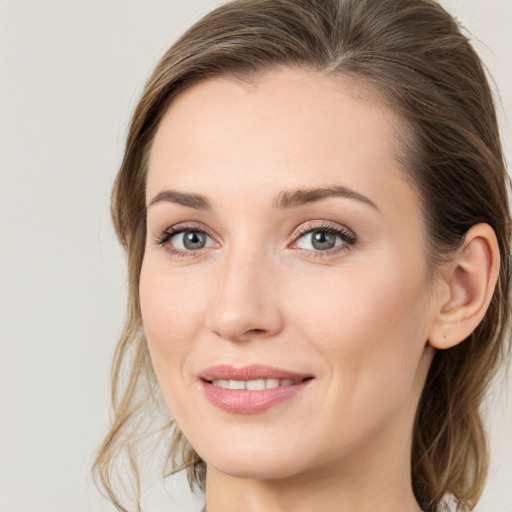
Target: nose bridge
[(245, 303)]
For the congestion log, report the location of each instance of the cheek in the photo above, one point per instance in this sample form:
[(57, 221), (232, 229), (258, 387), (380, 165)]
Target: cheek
[(172, 308), (370, 328)]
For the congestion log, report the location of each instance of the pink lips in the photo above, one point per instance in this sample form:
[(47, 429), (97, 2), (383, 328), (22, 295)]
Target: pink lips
[(245, 401)]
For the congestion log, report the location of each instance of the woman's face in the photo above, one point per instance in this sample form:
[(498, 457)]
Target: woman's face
[(285, 256)]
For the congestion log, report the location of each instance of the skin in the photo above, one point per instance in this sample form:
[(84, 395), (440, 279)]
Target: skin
[(359, 320)]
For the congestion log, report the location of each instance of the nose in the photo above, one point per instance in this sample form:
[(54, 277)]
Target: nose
[(245, 301)]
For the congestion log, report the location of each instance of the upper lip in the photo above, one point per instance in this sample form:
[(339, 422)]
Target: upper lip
[(251, 372)]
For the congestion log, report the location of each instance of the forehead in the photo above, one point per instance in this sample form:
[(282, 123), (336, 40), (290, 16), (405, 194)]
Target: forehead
[(294, 127)]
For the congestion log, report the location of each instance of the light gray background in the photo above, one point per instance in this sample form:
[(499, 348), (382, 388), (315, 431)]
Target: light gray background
[(70, 74)]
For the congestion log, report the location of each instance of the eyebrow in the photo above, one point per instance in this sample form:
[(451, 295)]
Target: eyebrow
[(284, 200), (294, 198), (196, 201)]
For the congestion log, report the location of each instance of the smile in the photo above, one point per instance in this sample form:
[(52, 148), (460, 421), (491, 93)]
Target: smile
[(251, 389), (257, 384)]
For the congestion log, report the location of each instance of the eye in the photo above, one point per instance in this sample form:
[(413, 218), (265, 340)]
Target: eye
[(184, 239), (325, 238), (189, 240)]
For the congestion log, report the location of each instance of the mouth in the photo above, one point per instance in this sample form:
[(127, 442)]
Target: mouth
[(251, 389), (253, 372), (256, 384)]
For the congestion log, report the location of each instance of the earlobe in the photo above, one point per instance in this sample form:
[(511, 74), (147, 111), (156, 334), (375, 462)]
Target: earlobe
[(469, 284)]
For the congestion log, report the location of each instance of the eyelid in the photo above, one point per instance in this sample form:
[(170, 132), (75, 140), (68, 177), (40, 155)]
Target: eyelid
[(166, 235), (345, 234), (325, 226)]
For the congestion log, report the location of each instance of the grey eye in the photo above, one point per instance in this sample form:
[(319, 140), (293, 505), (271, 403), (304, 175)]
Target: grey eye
[(190, 240), (323, 240), (320, 240)]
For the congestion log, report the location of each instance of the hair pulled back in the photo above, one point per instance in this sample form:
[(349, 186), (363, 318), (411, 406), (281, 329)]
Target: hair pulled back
[(413, 55)]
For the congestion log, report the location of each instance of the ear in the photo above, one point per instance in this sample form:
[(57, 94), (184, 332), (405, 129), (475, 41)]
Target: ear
[(467, 286)]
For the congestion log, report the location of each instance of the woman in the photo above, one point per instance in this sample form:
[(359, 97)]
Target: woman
[(313, 204)]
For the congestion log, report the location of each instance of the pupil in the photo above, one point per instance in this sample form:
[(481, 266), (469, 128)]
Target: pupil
[(323, 240), (193, 240)]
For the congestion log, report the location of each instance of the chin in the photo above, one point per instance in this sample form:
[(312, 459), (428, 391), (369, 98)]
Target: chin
[(253, 462), (255, 470)]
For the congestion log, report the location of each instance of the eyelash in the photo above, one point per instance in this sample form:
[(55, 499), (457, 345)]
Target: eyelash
[(169, 233), (348, 238)]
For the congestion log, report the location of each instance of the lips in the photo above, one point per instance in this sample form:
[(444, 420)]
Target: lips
[(251, 372), (251, 389)]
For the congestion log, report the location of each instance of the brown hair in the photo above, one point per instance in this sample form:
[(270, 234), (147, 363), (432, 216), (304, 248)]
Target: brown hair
[(413, 54)]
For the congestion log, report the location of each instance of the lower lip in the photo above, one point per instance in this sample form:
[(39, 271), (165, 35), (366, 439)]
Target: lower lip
[(244, 401)]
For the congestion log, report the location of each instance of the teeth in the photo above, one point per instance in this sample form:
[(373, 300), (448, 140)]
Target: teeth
[(236, 384), (255, 384), (258, 384), (272, 383)]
